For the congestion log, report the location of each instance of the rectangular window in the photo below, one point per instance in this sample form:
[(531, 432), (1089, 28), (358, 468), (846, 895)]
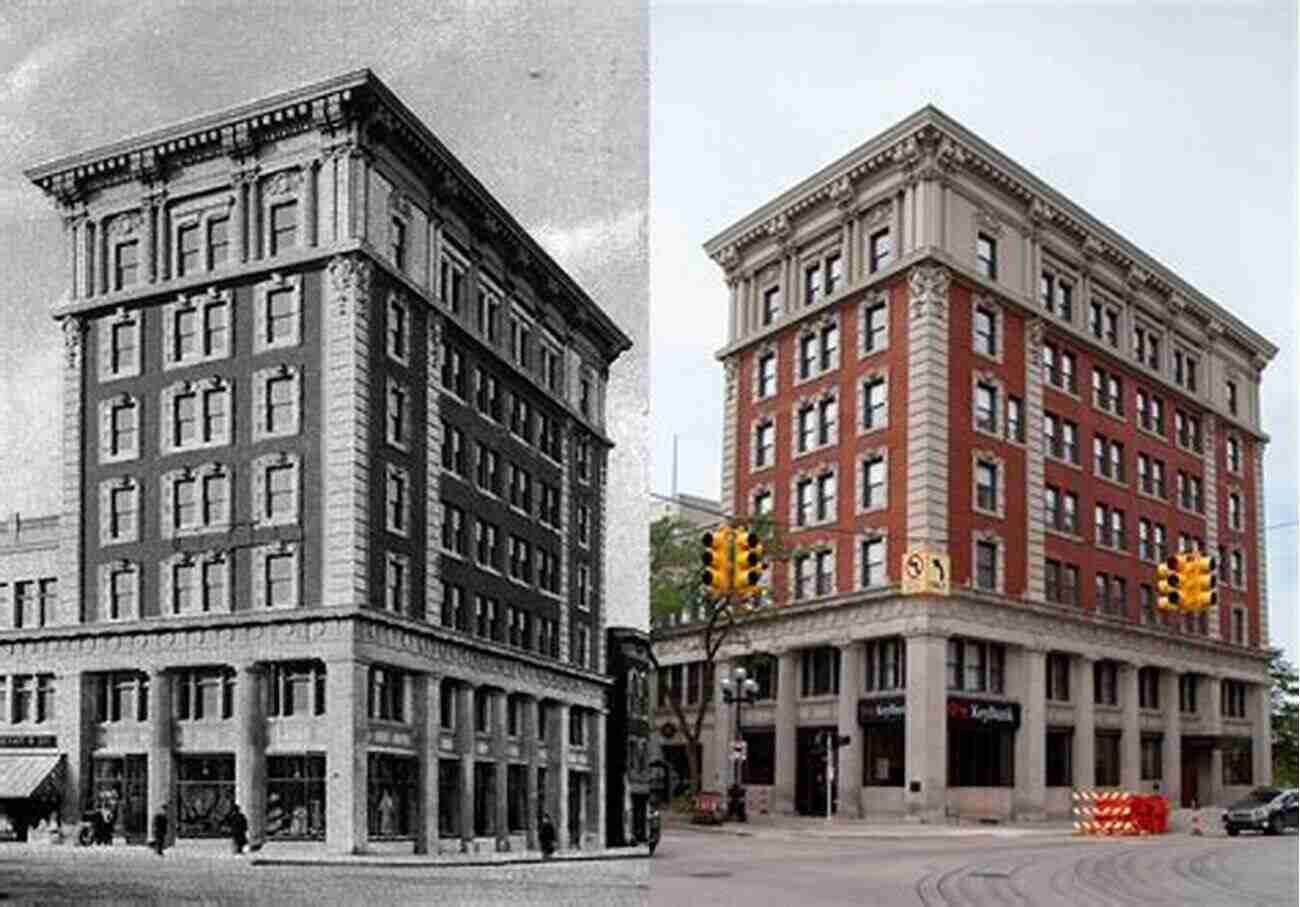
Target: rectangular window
[(1058, 677), (876, 329), (1107, 755), (279, 579), (881, 250), (1230, 390), (284, 227), (986, 486), (767, 375), (397, 243), (188, 250), (873, 563), (873, 482), (771, 305), (1105, 684), (764, 442), (1015, 419), (986, 565), (986, 407), (1060, 762), (986, 256), (126, 264), (218, 240), (986, 336)]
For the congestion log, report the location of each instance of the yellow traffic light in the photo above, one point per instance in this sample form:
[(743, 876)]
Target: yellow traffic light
[(716, 576), (1169, 583), (748, 563), (1200, 581)]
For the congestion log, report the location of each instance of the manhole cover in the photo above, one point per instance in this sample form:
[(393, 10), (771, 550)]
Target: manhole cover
[(710, 874)]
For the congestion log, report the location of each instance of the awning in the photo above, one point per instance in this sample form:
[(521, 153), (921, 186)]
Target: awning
[(26, 777)]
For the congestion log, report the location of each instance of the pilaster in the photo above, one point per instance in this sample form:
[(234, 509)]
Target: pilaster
[(465, 749), (731, 413), (1034, 472), (852, 683), (1171, 743), (1031, 740), (346, 426), (68, 559), (1210, 491), (719, 752), (429, 733), (433, 590), (1261, 549), (787, 690), (1261, 746), (925, 756), (250, 750), (927, 409), (1085, 726), (500, 704), (557, 749), (596, 807), (1131, 739), (160, 765), (346, 682)]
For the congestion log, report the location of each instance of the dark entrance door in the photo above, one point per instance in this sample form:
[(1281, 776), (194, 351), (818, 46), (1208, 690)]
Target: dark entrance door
[(577, 792), (810, 774), (121, 786), (1190, 774)]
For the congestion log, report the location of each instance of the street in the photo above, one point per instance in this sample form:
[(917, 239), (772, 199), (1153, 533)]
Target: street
[(702, 868)]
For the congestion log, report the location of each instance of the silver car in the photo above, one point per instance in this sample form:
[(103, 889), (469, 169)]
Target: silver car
[(1266, 809)]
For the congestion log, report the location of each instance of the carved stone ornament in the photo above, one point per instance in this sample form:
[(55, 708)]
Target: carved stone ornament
[(1214, 331), (283, 183), (125, 224), (779, 227), (1138, 278), (1093, 248), (989, 221), (74, 340), (928, 288), (349, 278), (399, 204), (878, 214), (841, 191), (1035, 331)]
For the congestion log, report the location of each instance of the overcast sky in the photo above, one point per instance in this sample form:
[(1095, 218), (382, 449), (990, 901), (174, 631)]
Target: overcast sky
[(545, 103), (1173, 124)]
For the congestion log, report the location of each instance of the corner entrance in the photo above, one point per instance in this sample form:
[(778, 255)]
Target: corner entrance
[(810, 774)]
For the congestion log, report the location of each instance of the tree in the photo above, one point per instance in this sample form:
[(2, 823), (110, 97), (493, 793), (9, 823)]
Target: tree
[(1285, 737), (675, 589)]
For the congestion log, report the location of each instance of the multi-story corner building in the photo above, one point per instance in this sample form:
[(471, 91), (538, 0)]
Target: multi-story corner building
[(932, 351), (333, 481)]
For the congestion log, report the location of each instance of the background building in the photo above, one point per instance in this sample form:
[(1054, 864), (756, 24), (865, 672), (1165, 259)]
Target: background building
[(932, 351), (333, 484)]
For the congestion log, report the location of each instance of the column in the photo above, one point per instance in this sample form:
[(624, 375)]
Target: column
[(925, 758), (164, 240), (1130, 744), (852, 683), (311, 194), (596, 791), (500, 705), (909, 218), (557, 748), (1030, 794), (74, 713), (257, 229), (429, 726), (717, 768), (895, 227), (101, 243), (849, 249), (528, 728), (149, 210), (159, 767), (1171, 744), (787, 690), (250, 750), (465, 748), (239, 220), (1085, 728), (345, 755), (1261, 744), (1211, 701)]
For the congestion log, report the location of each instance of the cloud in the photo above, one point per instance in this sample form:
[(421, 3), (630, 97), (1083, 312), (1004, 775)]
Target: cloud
[(47, 59), (29, 457)]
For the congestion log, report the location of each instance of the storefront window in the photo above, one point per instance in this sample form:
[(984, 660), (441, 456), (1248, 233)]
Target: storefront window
[(820, 669), (121, 787), (516, 797), (295, 796), (981, 756), (449, 798), (1107, 759), (759, 766), (1152, 769), (1237, 763), (882, 762), (392, 789), (296, 688), (1060, 758), (485, 799), (205, 693), (205, 794)]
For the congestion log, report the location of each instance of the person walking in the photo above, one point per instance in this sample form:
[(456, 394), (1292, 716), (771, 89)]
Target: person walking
[(159, 831), (546, 835), (238, 823)]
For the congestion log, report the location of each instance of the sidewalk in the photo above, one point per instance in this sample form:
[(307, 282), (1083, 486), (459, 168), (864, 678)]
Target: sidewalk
[(774, 827)]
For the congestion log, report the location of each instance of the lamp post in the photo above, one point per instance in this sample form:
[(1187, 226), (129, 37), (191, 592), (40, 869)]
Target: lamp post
[(737, 690)]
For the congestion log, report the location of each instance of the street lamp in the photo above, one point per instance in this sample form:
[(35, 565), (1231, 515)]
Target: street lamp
[(737, 690)]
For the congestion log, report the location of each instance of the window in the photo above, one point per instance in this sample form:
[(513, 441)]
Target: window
[(1148, 688), (1058, 677), (1187, 693), (986, 486), (771, 305), (187, 249), (875, 403), (875, 326), (1109, 522), (126, 264), (986, 565), (1234, 454), (1060, 758), (986, 331), (278, 315), (1185, 368), (398, 330), (986, 256), (451, 283), (1057, 295), (1187, 429), (1107, 391), (881, 250), (1146, 347), (397, 499), (397, 582), (277, 580), (872, 553), (397, 243), (1015, 419), (1061, 438), (486, 543), (764, 443), (1061, 583), (803, 576), (826, 483), (762, 502), (1233, 699), (1235, 518), (120, 503), (874, 491), (766, 375), (1107, 756), (386, 699), (119, 340), (986, 407), (120, 426), (819, 671), (1238, 627), (834, 272), (1230, 391), (1105, 683), (453, 372), (489, 314), (204, 694), (976, 667), (277, 392), (1060, 509), (120, 696), (284, 227), (196, 414), (1147, 604), (296, 785), (1238, 562), (886, 665), (1151, 412), (812, 284), (1237, 764), (218, 241), (1059, 366)]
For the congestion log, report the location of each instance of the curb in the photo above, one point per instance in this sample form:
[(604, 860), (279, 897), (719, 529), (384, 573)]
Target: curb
[(412, 863)]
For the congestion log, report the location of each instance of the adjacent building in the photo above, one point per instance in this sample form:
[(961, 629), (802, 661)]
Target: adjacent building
[(333, 492), (933, 353)]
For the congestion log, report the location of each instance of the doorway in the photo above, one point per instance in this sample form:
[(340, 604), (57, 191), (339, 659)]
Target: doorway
[(1191, 772), (810, 774)]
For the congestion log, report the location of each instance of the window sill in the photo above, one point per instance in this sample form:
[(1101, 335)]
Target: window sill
[(1116, 483), (1063, 391), (114, 459), (1152, 433), (873, 351), (1109, 413), (1151, 496), (1063, 534), (1049, 458)]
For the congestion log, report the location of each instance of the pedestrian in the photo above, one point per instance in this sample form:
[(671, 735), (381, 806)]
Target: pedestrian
[(159, 831), (546, 835), (238, 829)]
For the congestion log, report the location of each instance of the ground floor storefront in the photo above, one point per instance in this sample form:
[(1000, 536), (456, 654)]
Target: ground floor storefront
[(948, 715), (350, 738)]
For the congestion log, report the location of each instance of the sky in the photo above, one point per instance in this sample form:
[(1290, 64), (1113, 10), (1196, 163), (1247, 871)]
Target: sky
[(1173, 124), (545, 103)]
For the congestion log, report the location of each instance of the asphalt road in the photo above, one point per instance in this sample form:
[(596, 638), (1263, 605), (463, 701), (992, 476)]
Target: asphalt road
[(698, 868)]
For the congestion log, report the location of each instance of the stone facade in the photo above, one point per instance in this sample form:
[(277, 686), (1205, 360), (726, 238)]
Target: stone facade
[(282, 581)]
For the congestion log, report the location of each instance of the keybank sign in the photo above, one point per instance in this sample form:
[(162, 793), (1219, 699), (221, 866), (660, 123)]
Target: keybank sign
[(977, 711)]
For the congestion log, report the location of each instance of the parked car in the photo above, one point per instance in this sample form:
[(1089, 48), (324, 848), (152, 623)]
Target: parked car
[(1265, 809)]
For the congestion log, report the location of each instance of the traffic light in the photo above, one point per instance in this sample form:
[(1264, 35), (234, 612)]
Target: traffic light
[(717, 573), (748, 563), (1199, 579), (1169, 596)]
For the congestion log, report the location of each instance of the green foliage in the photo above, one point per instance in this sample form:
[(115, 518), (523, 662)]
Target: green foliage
[(1285, 737), (674, 567)]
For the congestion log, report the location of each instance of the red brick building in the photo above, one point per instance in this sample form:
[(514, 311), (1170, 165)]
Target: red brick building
[(932, 351)]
